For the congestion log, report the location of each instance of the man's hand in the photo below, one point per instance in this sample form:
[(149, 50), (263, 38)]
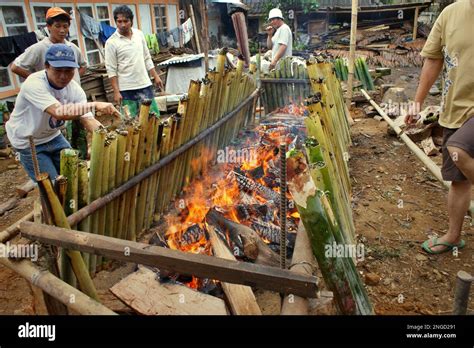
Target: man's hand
[(413, 114), (90, 124), (102, 108), (118, 98), (270, 30), (272, 65), (159, 84)]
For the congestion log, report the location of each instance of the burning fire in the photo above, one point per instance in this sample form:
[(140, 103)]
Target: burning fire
[(187, 231)]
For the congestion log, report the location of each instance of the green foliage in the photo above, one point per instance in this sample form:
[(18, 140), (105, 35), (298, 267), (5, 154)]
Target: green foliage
[(291, 5)]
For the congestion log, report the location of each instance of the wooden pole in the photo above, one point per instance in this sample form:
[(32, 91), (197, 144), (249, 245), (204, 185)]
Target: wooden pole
[(353, 44), (435, 170), (59, 219), (415, 23), (303, 262), (202, 266), (205, 32), (55, 287), (196, 36), (241, 298), (461, 296), (14, 229)]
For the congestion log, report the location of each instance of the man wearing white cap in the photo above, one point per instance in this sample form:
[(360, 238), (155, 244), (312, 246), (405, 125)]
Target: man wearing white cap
[(280, 38)]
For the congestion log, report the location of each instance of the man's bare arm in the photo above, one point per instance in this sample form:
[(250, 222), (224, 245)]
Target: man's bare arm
[(281, 51), (429, 74), (20, 71)]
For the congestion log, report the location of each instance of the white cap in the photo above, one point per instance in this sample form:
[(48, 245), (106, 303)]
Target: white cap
[(275, 13)]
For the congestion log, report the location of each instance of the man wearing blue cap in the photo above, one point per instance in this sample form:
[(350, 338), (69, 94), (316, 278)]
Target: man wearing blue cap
[(46, 100)]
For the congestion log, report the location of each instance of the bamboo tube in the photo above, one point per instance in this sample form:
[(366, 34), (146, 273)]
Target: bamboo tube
[(101, 227), (95, 183), (69, 159), (112, 176), (143, 121), (121, 160), (60, 220), (124, 199), (143, 192), (152, 189), (82, 199), (339, 273)]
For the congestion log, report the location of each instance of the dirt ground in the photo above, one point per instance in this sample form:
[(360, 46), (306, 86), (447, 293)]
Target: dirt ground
[(383, 171)]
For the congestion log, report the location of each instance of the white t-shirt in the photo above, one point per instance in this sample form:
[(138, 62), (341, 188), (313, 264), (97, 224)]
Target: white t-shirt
[(29, 116), (283, 36), (34, 57), (129, 60)]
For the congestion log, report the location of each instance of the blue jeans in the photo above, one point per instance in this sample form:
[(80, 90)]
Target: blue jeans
[(139, 95), (49, 157)]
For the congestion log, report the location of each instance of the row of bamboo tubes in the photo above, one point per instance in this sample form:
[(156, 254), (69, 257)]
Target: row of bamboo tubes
[(278, 95), (119, 155), (320, 184)]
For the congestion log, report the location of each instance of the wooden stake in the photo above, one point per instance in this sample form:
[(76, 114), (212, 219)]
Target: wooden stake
[(241, 298), (415, 23), (352, 52)]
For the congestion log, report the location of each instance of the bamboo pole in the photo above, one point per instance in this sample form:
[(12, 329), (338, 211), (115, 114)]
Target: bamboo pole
[(60, 220), (82, 199), (420, 154), (112, 176), (352, 52), (102, 220), (56, 288), (95, 183), (69, 160), (339, 273)]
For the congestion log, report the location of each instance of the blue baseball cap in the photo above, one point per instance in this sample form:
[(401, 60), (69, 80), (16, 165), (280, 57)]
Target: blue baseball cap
[(61, 56)]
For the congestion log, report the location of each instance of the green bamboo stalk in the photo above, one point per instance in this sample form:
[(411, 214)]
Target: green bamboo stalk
[(339, 273), (60, 220), (102, 223), (111, 207), (95, 183), (69, 160), (82, 199)]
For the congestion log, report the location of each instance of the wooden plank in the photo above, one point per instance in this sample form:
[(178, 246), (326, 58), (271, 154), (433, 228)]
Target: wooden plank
[(146, 295), (109, 300), (302, 262), (241, 298), (203, 266)]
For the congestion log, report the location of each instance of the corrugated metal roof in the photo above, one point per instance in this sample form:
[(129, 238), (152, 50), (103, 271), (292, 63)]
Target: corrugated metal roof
[(182, 59), (256, 7)]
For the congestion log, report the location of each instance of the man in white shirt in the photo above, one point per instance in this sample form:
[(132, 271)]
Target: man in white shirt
[(280, 38), (32, 60), (128, 61), (47, 98)]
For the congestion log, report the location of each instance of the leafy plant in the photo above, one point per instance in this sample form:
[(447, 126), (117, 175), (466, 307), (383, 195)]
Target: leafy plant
[(291, 5)]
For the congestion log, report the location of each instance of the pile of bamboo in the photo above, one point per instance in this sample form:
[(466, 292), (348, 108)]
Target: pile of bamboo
[(320, 185), (287, 84), (361, 71), (206, 121)]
